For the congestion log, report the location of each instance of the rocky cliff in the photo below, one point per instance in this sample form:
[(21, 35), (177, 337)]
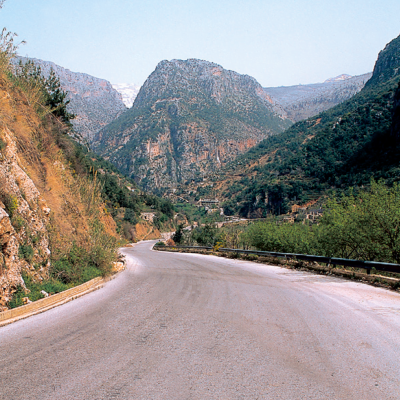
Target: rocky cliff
[(387, 64), (93, 100), (189, 118), (24, 216), (304, 101)]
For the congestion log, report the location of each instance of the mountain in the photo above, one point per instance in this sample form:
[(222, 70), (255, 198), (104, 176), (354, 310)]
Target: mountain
[(128, 92), (304, 101), (342, 77), (189, 118), (342, 147), (93, 100), (388, 64)]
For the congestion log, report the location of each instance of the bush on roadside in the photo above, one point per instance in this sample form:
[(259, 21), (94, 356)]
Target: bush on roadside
[(170, 243)]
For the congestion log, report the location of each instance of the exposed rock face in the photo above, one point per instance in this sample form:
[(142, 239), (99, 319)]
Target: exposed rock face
[(387, 64), (24, 215), (94, 101), (189, 118), (304, 101), (128, 92)]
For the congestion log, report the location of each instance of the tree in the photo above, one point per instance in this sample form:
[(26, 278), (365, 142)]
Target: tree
[(56, 98), (205, 235), (366, 226), (178, 235), (48, 91)]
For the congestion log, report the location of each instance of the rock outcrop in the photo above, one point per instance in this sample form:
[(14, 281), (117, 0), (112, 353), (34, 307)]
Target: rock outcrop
[(24, 216), (46, 207), (387, 64), (189, 118)]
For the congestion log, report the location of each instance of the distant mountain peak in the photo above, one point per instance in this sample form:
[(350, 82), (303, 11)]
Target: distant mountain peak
[(128, 92), (338, 78), (304, 101)]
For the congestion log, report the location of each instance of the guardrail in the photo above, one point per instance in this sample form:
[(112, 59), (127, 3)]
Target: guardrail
[(186, 247), (367, 265)]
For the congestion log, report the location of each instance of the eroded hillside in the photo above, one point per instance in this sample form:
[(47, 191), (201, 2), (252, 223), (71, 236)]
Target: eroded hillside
[(49, 215)]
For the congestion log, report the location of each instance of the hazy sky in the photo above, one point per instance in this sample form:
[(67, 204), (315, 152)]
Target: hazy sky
[(278, 42)]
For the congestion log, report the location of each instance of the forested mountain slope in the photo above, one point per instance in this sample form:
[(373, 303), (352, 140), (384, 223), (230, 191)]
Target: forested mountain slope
[(344, 146)]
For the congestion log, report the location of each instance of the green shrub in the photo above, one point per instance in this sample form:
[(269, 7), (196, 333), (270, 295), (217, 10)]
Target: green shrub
[(54, 286), (101, 258), (17, 297), (89, 273), (35, 239), (233, 255), (3, 144), (11, 203), (81, 265), (17, 222), (250, 257), (26, 252), (69, 268)]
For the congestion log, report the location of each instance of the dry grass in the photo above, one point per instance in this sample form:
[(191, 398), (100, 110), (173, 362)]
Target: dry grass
[(77, 211)]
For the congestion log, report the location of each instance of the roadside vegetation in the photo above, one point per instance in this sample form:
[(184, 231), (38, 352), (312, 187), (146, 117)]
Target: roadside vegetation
[(363, 226)]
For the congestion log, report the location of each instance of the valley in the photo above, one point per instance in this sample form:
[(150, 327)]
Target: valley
[(199, 200), (196, 145)]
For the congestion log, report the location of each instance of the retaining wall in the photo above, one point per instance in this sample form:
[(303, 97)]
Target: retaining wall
[(36, 307)]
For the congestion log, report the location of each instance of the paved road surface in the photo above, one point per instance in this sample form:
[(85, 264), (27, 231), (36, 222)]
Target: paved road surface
[(186, 326)]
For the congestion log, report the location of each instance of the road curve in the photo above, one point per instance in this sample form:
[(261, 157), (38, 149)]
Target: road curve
[(188, 326)]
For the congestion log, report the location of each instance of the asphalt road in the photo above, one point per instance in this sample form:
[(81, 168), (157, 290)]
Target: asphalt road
[(187, 326)]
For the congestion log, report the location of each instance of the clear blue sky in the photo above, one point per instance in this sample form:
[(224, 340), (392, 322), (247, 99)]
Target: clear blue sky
[(278, 42)]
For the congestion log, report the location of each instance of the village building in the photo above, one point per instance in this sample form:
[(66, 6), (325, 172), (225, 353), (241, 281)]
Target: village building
[(148, 216), (314, 214), (210, 203)]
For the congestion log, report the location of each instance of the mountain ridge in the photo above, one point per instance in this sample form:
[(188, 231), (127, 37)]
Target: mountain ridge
[(128, 91), (189, 117), (94, 101), (300, 102)]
